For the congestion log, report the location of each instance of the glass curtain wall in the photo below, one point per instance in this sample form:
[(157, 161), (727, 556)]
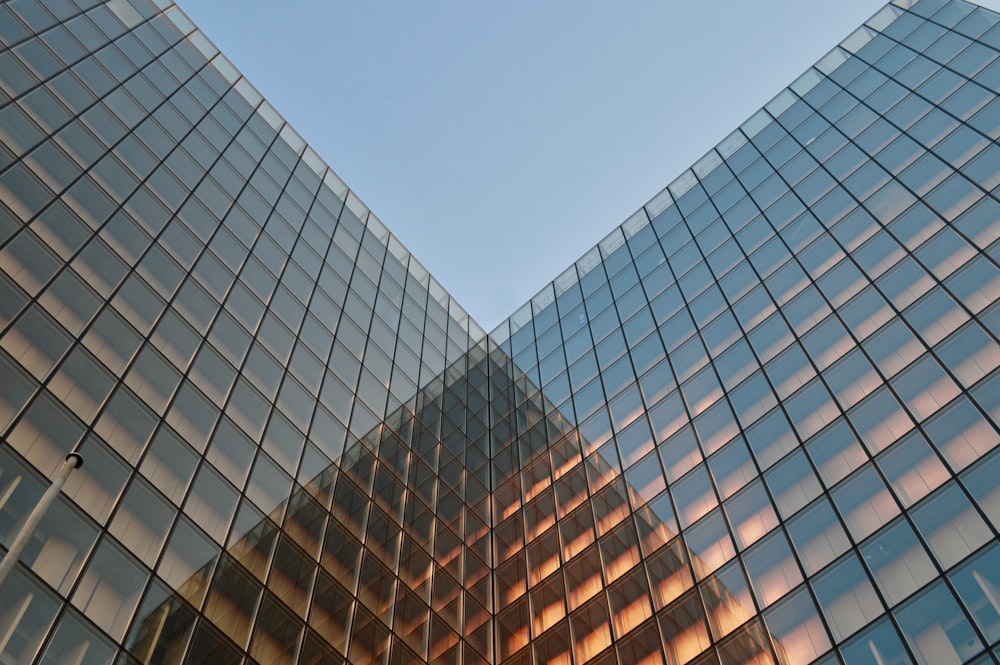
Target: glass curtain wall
[(236, 343), (782, 379), (758, 423)]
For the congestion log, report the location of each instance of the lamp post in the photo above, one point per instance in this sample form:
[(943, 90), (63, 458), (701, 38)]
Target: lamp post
[(73, 461)]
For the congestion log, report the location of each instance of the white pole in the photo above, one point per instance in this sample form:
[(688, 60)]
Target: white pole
[(72, 461)]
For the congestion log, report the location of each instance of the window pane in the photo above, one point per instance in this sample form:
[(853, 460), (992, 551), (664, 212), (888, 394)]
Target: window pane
[(950, 524), (977, 583), (847, 597), (898, 561), (110, 589), (797, 629), (878, 645), (936, 629), (772, 568), (76, 641), (817, 536)]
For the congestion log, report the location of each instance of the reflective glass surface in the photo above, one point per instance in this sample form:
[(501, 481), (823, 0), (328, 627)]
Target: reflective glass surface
[(758, 423)]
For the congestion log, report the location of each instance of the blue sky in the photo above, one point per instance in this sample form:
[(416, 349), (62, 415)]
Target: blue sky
[(501, 140)]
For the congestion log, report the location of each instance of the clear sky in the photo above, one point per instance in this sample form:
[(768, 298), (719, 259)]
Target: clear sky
[(498, 140)]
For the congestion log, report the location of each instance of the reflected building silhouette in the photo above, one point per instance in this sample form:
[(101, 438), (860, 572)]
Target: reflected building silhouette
[(757, 424), (369, 542)]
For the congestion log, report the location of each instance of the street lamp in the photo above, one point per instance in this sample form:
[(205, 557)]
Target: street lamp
[(73, 461)]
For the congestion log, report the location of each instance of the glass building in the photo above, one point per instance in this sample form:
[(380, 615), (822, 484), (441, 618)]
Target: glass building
[(757, 424)]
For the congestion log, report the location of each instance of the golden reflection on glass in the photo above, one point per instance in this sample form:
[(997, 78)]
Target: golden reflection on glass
[(685, 634), (110, 588), (620, 551), (747, 647), (554, 647), (669, 573), (233, 601), (512, 628), (577, 532), (592, 630), (727, 599), (539, 515), (629, 600), (599, 473), (276, 636), (565, 456), (610, 506), (642, 646), (656, 524), (751, 514), (543, 557), (161, 629), (536, 479), (583, 577), (511, 581), (547, 603)]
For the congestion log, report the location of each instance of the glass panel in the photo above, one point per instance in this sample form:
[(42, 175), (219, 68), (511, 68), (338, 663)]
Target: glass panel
[(817, 536), (952, 527), (836, 452), (936, 629), (751, 515), (878, 645), (77, 642), (142, 521), (169, 464), (961, 434), (728, 599), (865, 502), (669, 573), (212, 503), (188, 560), (898, 561), (772, 568), (694, 496), (978, 583), (847, 597), (110, 589), (981, 483), (797, 630), (57, 550), (792, 483), (710, 544), (685, 634), (25, 616)]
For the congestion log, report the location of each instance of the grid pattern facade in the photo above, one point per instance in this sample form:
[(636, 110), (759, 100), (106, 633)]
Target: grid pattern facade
[(789, 357), (191, 293), (758, 423)]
